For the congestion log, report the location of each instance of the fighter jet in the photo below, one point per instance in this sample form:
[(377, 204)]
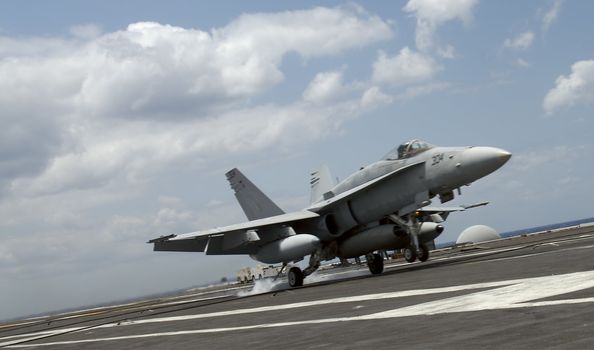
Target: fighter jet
[(384, 205)]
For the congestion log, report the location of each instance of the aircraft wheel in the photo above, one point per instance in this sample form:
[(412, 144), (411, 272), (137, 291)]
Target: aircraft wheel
[(423, 253), (295, 276), (376, 264), (410, 254)]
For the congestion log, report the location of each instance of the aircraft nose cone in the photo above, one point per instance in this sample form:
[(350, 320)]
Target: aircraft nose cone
[(481, 161), (496, 155), (504, 155)]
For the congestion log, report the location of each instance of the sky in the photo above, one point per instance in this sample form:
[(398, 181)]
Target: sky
[(119, 120)]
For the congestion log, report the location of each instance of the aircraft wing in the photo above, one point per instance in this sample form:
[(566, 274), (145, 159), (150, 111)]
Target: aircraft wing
[(232, 239)]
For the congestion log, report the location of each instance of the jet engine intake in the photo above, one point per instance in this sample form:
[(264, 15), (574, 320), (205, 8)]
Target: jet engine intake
[(328, 227)]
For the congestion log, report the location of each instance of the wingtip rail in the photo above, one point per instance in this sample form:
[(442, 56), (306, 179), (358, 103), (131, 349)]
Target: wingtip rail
[(162, 238)]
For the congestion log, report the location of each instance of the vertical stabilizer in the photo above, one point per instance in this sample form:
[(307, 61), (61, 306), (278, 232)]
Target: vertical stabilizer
[(321, 182), (255, 204)]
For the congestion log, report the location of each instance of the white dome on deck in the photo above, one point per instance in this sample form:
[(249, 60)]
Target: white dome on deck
[(477, 233)]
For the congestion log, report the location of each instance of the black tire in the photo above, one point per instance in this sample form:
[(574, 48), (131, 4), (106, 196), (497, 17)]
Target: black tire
[(295, 277), (410, 254), (423, 253), (376, 264)]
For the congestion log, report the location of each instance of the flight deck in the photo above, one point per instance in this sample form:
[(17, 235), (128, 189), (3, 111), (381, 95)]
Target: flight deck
[(534, 291)]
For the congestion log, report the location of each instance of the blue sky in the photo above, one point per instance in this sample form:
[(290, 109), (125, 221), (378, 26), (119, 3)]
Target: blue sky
[(122, 118)]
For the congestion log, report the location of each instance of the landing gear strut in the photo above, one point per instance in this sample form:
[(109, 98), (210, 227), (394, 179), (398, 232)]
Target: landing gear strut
[(415, 250), (423, 253), (280, 271)]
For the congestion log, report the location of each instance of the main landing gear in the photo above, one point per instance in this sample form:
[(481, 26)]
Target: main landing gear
[(375, 262), (411, 254), (415, 250), (296, 276)]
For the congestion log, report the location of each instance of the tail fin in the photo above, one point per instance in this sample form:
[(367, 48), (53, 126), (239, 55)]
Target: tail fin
[(255, 204), (321, 182)]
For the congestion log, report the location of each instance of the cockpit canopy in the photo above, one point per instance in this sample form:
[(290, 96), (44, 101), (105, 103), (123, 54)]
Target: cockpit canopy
[(408, 149)]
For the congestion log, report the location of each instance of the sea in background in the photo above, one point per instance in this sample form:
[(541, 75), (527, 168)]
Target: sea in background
[(527, 231)]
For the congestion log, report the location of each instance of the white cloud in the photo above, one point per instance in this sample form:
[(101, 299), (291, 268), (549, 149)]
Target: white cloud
[(94, 106), (14, 48), (90, 121), (325, 87), (133, 151), (329, 88), (172, 213), (407, 67), (374, 97), (576, 88), (85, 31), (423, 89), (311, 33), (521, 42), (447, 52), (551, 15), (431, 14), (523, 63), (163, 71)]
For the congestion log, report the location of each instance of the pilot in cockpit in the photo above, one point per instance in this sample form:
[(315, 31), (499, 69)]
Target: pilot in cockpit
[(402, 150), (412, 148)]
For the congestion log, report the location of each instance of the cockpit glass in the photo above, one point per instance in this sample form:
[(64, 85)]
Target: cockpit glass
[(408, 149)]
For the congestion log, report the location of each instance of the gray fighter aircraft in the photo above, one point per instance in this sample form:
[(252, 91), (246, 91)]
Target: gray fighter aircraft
[(385, 205)]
